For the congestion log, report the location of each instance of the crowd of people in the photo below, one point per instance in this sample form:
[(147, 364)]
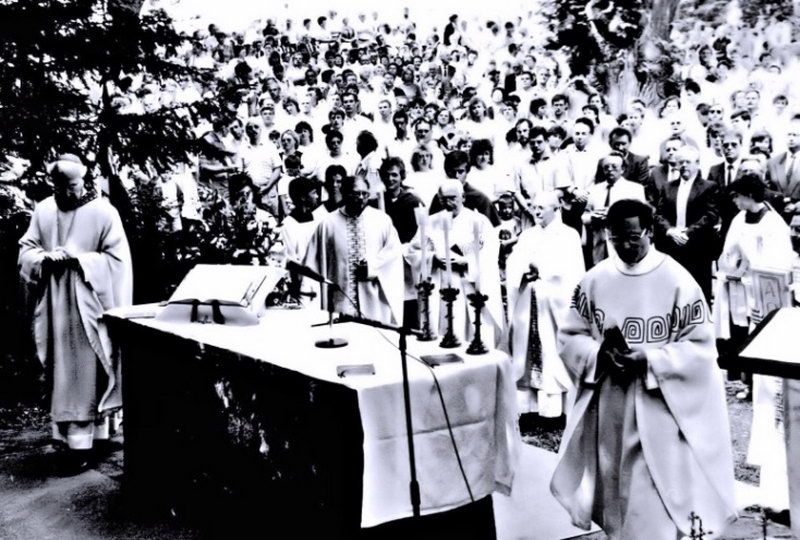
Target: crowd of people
[(472, 162)]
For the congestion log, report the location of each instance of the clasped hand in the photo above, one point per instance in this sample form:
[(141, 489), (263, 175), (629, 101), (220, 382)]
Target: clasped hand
[(678, 236), (59, 259), (531, 275), (623, 363), (457, 263)]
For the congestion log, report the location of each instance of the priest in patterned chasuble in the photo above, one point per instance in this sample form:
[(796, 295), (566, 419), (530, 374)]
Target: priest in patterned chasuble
[(541, 273), (357, 247), (647, 442)]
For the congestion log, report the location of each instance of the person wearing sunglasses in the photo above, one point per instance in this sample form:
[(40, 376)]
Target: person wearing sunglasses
[(724, 174)]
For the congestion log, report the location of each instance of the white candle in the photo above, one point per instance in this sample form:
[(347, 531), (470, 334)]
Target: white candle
[(476, 248), (446, 223), (421, 213)]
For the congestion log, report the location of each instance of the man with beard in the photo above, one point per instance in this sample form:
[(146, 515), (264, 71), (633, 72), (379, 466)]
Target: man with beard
[(356, 247), (76, 255)]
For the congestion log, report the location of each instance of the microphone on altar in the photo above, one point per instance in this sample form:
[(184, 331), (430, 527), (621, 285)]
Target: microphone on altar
[(302, 270), (296, 268)]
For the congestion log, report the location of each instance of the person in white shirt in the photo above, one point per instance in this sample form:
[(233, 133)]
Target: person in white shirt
[(578, 164), (260, 160), (484, 175), (686, 217), (601, 196)]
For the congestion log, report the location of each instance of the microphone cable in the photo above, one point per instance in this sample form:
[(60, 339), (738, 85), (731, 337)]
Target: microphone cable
[(438, 390)]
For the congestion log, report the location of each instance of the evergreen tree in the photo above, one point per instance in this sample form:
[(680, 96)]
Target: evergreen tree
[(61, 61)]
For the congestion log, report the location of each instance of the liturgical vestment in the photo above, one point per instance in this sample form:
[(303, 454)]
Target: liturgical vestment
[(473, 237), (555, 251), (336, 245), (70, 339), (639, 456)]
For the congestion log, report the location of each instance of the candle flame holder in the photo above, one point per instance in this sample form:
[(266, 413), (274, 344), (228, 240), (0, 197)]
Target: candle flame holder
[(449, 341), (424, 290), (477, 301)]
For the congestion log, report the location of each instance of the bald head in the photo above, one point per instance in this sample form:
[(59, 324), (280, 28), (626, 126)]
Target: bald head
[(547, 198), (451, 196), (688, 160), (544, 207)]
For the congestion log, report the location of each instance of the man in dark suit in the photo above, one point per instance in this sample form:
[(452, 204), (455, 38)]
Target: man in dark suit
[(783, 175), (634, 167), (686, 217), (666, 171), (723, 174)]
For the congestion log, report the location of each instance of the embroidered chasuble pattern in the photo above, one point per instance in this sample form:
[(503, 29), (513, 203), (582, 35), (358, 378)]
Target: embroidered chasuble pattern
[(533, 371), (356, 252)]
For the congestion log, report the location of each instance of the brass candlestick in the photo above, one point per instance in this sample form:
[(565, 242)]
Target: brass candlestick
[(449, 341), (476, 346), (424, 290)]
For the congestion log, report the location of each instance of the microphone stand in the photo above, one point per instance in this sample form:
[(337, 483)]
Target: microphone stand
[(413, 485), (332, 342)]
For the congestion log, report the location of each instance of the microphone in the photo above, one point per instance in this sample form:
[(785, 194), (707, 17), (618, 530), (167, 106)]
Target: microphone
[(345, 318), (305, 271)]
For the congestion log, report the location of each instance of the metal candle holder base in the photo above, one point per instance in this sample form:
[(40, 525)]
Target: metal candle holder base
[(449, 341), (424, 290), (476, 346)]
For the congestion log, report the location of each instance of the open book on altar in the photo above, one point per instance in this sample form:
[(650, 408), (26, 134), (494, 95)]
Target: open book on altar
[(222, 294)]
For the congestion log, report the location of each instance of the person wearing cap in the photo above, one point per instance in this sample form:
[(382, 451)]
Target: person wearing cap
[(76, 255), (758, 238)]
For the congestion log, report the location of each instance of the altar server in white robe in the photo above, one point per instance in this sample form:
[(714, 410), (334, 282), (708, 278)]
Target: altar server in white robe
[(76, 255), (541, 273), (357, 247), (647, 442), (473, 250), (299, 226), (758, 238)]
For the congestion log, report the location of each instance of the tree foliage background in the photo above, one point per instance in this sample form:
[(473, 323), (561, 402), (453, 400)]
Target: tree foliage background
[(624, 46), (61, 62)]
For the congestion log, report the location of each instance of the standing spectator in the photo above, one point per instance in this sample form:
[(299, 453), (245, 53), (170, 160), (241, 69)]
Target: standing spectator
[(399, 204), (686, 219), (783, 172), (456, 166), (634, 167), (602, 195)]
